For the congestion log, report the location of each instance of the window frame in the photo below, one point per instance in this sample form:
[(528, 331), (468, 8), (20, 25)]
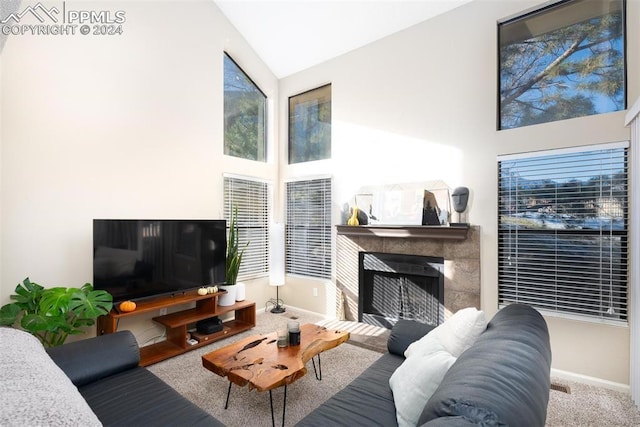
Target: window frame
[(262, 148), (255, 262), (300, 259), (517, 279), (534, 13), (307, 99)]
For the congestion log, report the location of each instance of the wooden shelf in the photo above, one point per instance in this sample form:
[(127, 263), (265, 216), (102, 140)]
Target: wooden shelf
[(192, 315), (229, 328), (158, 352), (176, 323), (458, 232), (154, 304)]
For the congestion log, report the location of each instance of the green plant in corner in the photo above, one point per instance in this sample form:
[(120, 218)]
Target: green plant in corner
[(234, 253), (52, 314)]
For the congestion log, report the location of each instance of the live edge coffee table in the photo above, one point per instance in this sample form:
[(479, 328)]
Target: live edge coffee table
[(258, 362)]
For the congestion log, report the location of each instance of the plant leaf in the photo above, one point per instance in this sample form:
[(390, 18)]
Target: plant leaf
[(9, 314), (234, 255), (55, 301), (34, 323), (28, 295), (90, 304)]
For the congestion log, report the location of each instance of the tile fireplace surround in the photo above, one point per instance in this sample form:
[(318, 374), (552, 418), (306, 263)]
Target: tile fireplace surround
[(461, 266)]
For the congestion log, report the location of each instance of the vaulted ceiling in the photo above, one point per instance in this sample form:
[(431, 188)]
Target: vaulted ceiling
[(292, 35)]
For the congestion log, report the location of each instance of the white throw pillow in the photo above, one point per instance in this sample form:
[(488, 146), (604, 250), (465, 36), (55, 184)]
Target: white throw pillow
[(415, 381), (456, 334)]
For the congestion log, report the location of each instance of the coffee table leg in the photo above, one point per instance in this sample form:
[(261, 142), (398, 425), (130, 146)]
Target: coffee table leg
[(284, 404), (273, 421), (226, 404), (318, 371), (284, 407)]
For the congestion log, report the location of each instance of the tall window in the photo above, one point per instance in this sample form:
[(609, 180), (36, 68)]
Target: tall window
[(562, 231), (308, 228), (253, 200), (244, 114), (566, 60), (310, 125)]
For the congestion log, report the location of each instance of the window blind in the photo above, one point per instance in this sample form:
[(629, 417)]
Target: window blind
[(252, 198), (308, 228), (562, 231)]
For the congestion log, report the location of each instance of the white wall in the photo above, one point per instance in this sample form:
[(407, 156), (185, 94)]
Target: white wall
[(421, 105), (127, 126)]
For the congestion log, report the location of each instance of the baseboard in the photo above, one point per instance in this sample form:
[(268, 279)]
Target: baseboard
[(289, 307), (584, 379)]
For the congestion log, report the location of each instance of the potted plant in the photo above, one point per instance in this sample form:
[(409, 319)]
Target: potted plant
[(234, 259), (52, 314)]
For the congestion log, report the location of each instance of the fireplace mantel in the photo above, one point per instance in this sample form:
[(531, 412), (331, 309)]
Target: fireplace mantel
[(416, 231)]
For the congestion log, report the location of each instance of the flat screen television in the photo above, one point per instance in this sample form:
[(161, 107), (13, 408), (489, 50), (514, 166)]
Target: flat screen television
[(137, 259)]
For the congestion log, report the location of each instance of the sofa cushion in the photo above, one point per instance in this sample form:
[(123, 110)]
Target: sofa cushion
[(428, 360), (366, 401), (79, 359), (456, 334), (415, 380), (504, 378), (404, 333), (35, 391), (136, 397)]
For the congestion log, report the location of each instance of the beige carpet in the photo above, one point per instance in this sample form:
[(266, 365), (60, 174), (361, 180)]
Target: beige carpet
[(589, 406), (251, 408), (584, 406)]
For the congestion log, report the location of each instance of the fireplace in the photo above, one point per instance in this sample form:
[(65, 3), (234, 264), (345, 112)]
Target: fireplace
[(398, 286)]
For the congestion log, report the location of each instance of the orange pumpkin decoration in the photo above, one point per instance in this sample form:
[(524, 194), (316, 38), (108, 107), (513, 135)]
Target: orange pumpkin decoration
[(127, 306)]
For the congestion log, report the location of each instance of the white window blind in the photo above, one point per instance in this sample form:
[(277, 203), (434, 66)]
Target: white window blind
[(252, 197), (308, 228), (562, 231)]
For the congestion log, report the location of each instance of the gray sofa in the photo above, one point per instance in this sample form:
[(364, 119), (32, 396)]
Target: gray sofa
[(502, 380), (92, 382)]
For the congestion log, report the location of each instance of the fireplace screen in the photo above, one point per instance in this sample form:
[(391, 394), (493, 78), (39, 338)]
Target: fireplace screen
[(397, 286)]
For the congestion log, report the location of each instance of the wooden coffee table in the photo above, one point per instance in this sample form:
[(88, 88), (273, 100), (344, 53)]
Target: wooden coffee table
[(258, 362)]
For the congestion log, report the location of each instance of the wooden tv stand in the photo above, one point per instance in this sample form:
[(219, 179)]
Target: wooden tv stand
[(176, 324)]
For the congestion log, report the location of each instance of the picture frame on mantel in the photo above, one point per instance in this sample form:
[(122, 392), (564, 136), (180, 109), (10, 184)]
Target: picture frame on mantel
[(403, 204)]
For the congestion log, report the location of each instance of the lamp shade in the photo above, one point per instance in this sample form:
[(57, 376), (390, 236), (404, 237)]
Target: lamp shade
[(276, 254)]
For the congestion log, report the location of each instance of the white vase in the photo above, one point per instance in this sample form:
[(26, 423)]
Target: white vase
[(230, 297), (240, 291)]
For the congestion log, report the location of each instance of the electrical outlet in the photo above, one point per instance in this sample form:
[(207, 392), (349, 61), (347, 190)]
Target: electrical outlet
[(163, 311), (315, 292)]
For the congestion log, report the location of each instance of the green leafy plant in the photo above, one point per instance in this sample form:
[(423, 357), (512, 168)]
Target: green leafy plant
[(234, 253), (52, 314)]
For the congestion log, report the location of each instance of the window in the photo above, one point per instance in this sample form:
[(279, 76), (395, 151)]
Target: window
[(253, 199), (244, 114), (562, 231), (564, 61), (308, 228), (310, 125)]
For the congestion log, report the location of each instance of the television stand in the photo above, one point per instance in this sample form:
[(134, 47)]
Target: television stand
[(177, 323)]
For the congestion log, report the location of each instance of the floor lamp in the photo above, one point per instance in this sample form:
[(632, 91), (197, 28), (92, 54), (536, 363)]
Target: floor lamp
[(276, 268), (278, 304)]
